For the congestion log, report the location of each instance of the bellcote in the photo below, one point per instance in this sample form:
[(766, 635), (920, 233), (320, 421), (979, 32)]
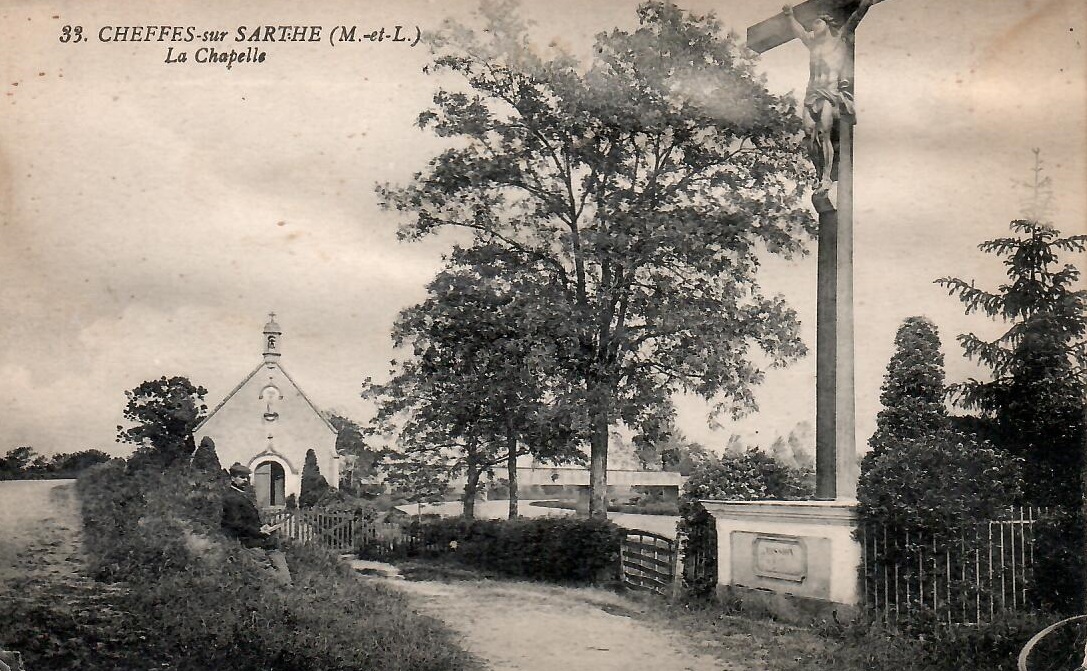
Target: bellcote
[(272, 339)]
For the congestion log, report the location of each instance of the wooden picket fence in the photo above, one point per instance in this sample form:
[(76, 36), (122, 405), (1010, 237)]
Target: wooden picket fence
[(335, 531), (648, 562), (969, 579)]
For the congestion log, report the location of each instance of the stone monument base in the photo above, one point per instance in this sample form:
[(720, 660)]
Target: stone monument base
[(797, 560)]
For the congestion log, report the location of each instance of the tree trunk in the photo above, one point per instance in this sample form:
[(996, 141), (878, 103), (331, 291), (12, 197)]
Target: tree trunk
[(470, 487), (1083, 539), (511, 467), (598, 455)]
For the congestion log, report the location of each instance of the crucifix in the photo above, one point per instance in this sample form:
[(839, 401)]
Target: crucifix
[(829, 117)]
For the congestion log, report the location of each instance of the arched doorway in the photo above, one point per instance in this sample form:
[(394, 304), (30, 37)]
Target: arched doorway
[(269, 482)]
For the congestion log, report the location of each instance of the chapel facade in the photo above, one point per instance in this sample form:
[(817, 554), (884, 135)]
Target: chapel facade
[(268, 423)]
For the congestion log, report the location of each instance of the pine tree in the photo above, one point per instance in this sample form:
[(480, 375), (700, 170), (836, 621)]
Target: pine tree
[(1035, 397)]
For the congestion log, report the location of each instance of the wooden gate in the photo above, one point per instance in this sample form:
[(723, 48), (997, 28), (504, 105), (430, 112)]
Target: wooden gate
[(335, 531), (647, 561)]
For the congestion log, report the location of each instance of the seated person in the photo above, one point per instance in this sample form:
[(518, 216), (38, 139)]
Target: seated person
[(241, 520)]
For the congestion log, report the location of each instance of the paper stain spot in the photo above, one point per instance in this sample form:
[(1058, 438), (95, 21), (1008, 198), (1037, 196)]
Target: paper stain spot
[(281, 223)]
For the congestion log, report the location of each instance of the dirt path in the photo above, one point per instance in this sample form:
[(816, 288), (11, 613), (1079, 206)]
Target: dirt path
[(528, 627), (40, 528)]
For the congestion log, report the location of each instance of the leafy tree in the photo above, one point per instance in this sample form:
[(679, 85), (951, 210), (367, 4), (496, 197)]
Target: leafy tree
[(623, 455), (735, 444), (364, 461), (634, 194), (418, 477), (476, 388), (314, 485), (913, 388), (780, 451), (675, 453), (801, 442), (164, 413), (1035, 397), (69, 465), (24, 463)]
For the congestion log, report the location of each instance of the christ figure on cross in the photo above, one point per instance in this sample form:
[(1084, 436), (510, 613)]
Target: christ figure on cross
[(830, 89)]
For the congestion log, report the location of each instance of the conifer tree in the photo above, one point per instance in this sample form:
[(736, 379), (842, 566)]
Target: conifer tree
[(314, 484), (1035, 397), (913, 387), (921, 473), (205, 458)]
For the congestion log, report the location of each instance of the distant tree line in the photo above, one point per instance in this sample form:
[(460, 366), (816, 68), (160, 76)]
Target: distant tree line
[(23, 463)]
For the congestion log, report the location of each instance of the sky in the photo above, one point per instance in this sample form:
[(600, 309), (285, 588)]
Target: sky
[(153, 213)]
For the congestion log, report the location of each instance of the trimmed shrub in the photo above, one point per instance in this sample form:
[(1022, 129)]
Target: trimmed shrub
[(751, 475), (921, 475), (562, 550), (936, 483), (206, 458), (925, 493)]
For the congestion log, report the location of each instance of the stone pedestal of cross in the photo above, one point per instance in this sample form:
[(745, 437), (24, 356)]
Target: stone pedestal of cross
[(835, 421)]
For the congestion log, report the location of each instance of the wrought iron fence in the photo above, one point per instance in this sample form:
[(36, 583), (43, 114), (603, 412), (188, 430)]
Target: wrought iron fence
[(968, 578)]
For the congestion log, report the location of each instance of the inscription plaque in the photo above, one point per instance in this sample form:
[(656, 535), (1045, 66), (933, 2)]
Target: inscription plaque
[(797, 565), (780, 557)]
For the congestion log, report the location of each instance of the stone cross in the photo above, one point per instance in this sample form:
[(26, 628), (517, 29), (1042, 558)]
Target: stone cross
[(826, 28)]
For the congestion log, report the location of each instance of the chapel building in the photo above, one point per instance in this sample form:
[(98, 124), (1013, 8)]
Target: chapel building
[(268, 423)]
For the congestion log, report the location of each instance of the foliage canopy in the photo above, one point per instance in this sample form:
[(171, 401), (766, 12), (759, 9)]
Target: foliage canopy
[(634, 193), (164, 413)]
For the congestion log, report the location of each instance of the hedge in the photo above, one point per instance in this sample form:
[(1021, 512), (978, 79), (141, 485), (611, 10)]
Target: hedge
[(562, 550)]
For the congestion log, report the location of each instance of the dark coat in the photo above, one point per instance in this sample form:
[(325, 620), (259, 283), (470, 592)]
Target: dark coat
[(241, 519)]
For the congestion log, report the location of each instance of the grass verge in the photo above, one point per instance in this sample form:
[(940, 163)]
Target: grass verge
[(182, 597)]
